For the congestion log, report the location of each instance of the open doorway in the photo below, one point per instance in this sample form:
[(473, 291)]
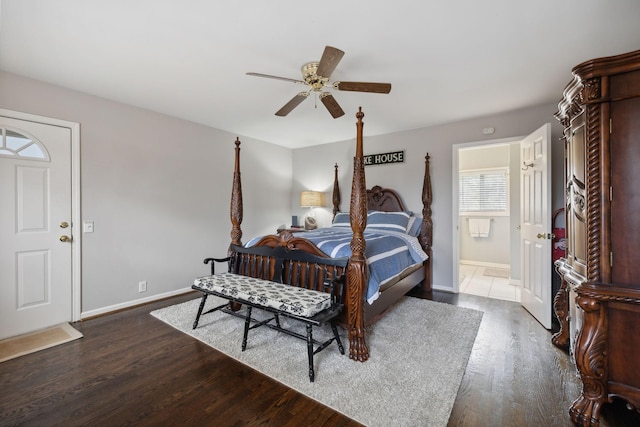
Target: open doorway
[(487, 186), (524, 212)]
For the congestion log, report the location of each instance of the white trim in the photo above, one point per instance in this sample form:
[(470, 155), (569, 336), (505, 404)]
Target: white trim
[(442, 288), (485, 264), (455, 148), (76, 246), (128, 304)]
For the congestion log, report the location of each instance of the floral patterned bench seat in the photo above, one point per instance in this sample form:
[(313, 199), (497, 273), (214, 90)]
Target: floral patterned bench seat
[(289, 299)]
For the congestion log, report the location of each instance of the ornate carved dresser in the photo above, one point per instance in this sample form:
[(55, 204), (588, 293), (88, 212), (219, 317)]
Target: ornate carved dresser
[(598, 304)]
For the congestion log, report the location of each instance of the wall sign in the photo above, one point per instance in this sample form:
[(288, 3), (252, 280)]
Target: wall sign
[(384, 158)]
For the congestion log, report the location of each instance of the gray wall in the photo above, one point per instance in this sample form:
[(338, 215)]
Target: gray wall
[(158, 189), (314, 166)]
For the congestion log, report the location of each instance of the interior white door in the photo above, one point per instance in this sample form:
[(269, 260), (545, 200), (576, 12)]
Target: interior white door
[(535, 220), (35, 215)]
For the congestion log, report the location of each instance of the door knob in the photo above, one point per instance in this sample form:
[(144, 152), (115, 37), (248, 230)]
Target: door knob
[(65, 238), (549, 236)]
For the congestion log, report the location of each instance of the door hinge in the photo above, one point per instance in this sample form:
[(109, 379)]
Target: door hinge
[(610, 194), (611, 259), (610, 125)]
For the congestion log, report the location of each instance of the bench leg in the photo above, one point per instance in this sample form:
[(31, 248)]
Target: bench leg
[(247, 323), (310, 351), (337, 337), (202, 302), (277, 317)]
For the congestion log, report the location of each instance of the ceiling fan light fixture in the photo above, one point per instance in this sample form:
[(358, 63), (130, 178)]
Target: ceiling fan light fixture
[(316, 76), (311, 77)]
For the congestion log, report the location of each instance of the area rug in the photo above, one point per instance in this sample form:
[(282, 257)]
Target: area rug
[(496, 272), (418, 355), (11, 348)]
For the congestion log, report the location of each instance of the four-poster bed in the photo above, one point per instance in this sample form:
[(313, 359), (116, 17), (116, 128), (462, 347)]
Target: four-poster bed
[(358, 312)]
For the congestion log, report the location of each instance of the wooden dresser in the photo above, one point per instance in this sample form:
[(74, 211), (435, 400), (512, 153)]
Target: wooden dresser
[(598, 304)]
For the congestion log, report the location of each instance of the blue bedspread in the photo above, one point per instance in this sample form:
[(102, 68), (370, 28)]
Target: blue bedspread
[(388, 253)]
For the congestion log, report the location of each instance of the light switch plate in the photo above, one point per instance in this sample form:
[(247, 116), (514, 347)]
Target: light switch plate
[(87, 226)]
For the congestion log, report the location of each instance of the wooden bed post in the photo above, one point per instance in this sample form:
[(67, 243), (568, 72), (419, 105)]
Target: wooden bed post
[(336, 192), (426, 231), (236, 200), (357, 269)]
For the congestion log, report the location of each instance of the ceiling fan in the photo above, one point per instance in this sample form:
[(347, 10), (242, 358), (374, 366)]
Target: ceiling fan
[(316, 76)]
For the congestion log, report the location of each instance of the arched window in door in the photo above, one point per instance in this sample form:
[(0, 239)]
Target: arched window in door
[(15, 144)]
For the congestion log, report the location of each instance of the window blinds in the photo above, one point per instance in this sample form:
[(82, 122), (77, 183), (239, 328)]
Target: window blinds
[(484, 191)]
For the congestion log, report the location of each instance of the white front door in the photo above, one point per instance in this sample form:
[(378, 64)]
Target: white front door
[(35, 215), (535, 220)]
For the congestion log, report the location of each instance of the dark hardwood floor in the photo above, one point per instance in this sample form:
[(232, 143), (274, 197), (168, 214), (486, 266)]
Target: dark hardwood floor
[(131, 368)]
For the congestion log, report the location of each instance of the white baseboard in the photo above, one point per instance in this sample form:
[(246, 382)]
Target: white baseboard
[(128, 304), (485, 264), (442, 288)]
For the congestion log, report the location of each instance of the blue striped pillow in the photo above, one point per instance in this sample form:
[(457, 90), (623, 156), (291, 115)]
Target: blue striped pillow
[(341, 220), (390, 221), (415, 224)]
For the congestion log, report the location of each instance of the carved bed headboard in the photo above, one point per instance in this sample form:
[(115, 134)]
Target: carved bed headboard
[(378, 198), (384, 199)]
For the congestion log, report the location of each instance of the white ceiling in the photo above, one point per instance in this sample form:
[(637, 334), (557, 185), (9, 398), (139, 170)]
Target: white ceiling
[(446, 60)]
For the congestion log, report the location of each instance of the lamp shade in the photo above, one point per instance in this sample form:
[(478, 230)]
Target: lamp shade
[(310, 199)]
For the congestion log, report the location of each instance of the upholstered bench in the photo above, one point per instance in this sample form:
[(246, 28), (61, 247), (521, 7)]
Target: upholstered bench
[(299, 286)]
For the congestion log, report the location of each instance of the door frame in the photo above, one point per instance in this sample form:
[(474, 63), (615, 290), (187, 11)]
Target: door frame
[(455, 195), (76, 258)]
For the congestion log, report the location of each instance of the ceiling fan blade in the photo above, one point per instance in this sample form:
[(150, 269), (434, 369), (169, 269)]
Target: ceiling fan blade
[(289, 106), (363, 87), (329, 61), (332, 105), (275, 77)]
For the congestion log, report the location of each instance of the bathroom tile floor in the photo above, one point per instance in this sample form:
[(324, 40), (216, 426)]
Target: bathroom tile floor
[(473, 281)]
